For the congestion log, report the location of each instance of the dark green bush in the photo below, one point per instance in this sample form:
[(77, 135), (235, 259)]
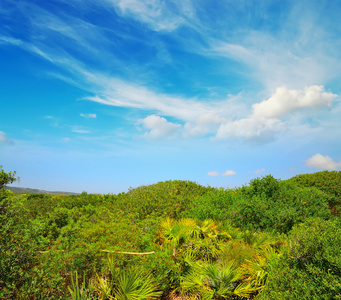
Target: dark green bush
[(278, 208), (266, 187)]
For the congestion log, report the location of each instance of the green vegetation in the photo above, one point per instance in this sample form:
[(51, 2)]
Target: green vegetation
[(174, 240)]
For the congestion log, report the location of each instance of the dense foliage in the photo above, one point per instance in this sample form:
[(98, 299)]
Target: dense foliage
[(326, 181), (271, 239)]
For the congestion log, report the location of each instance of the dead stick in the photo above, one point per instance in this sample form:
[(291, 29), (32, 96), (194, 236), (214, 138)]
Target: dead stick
[(130, 253)]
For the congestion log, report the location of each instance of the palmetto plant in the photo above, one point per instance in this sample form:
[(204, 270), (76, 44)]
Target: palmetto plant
[(256, 271), (129, 284), (183, 235), (214, 281), (76, 292), (103, 286)]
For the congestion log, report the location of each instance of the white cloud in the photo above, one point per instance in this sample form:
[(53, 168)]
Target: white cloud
[(292, 59), (213, 173), (158, 15), (115, 92), (259, 171), (323, 162), (264, 122), (285, 101), (76, 129), (229, 173), (204, 124), (4, 140), (159, 127), (93, 116), (256, 129)]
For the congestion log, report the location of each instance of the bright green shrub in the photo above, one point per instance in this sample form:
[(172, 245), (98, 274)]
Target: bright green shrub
[(326, 181), (310, 267), (267, 204), (20, 276), (164, 199), (213, 205), (6, 178), (266, 187)]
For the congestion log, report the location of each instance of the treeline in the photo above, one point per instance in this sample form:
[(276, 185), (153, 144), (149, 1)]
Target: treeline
[(271, 239)]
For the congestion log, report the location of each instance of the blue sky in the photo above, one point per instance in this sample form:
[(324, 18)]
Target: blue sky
[(104, 95)]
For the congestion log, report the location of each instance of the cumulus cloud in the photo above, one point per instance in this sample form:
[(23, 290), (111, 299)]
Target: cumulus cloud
[(323, 162), (204, 124), (213, 173), (250, 129), (89, 116), (285, 101), (265, 120), (4, 140), (229, 173), (259, 171), (159, 127)]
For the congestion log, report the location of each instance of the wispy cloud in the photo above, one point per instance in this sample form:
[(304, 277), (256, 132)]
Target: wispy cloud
[(323, 162), (158, 15), (77, 129), (54, 122), (213, 173), (4, 140), (89, 116), (262, 170)]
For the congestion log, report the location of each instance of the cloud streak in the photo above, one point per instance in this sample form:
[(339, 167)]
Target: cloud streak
[(4, 140), (89, 116), (213, 173)]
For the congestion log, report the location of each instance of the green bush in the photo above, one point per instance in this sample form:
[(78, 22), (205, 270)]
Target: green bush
[(213, 205), (326, 181), (310, 267), (266, 187), (287, 206)]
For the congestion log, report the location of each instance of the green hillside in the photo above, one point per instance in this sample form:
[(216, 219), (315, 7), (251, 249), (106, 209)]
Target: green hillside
[(22, 190), (271, 239)]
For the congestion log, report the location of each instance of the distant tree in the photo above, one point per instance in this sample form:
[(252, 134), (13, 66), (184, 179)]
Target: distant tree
[(6, 178)]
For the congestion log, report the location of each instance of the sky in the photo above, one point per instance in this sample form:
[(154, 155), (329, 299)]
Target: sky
[(104, 95)]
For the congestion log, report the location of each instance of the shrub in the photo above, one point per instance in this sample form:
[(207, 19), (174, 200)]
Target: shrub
[(326, 181), (287, 206), (310, 267), (213, 205)]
